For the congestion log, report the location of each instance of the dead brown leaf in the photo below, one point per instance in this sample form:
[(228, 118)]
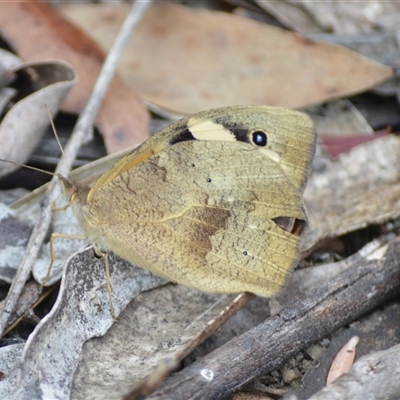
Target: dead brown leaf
[(188, 60), (343, 360), (336, 145), (36, 31)]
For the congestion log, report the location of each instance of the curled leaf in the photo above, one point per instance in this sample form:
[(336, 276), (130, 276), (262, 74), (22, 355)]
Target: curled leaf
[(22, 127)]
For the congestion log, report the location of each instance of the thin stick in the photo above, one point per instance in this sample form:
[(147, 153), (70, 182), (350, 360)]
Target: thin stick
[(79, 134)]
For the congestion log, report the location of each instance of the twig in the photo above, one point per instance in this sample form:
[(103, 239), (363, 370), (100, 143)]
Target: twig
[(264, 348), (79, 134)]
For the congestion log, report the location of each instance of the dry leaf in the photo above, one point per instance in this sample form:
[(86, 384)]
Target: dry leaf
[(347, 17), (8, 62), (6, 94), (339, 118), (14, 236), (343, 360), (291, 15), (343, 17), (188, 60), (24, 124), (336, 145), (373, 376), (10, 362), (157, 330), (82, 311), (36, 31), (361, 188), (159, 325)]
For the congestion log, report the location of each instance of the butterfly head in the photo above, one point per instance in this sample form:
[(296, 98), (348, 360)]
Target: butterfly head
[(70, 189)]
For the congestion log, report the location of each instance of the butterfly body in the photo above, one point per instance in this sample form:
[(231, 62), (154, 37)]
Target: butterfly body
[(213, 202)]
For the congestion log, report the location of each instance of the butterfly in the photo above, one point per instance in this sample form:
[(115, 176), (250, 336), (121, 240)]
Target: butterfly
[(213, 202)]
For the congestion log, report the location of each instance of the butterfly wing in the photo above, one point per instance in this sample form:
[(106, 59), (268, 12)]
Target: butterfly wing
[(290, 138), (208, 208)]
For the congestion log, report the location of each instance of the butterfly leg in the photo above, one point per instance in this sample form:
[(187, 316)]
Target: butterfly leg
[(103, 255), (56, 209), (52, 256)]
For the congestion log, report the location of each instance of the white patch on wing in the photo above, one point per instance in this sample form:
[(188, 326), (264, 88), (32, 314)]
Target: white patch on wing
[(271, 154), (209, 130)]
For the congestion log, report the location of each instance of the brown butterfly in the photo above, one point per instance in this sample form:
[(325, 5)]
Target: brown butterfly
[(214, 201)]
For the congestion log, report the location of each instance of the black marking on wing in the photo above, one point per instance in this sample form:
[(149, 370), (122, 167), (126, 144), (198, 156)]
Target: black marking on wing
[(184, 136), (241, 134), (258, 137)]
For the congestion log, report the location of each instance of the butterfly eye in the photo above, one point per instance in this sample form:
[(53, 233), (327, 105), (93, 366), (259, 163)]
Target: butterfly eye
[(259, 138)]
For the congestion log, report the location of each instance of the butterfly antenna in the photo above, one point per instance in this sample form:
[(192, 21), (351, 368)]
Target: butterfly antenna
[(28, 166), (66, 181), (54, 130)]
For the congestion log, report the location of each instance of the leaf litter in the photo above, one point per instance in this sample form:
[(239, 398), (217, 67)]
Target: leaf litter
[(123, 119), (229, 63), (39, 373)]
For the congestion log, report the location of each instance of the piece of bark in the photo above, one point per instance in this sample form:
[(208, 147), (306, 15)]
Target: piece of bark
[(264, 348)]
